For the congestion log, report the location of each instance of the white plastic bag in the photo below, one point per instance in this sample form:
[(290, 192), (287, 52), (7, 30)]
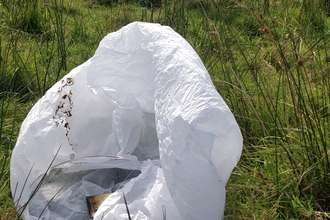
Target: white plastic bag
[(140, 118)]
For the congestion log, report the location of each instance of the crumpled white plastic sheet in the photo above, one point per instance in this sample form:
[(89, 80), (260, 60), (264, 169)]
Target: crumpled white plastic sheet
[(141, 118)]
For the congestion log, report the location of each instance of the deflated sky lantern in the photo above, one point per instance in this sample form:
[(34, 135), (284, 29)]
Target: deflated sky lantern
[(142, 120)]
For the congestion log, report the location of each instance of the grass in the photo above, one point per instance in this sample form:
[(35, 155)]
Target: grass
[(268, 59)]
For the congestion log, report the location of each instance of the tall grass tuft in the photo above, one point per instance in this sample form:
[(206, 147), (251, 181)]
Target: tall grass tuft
[(277, 86), (25, 15), (175, 15)]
